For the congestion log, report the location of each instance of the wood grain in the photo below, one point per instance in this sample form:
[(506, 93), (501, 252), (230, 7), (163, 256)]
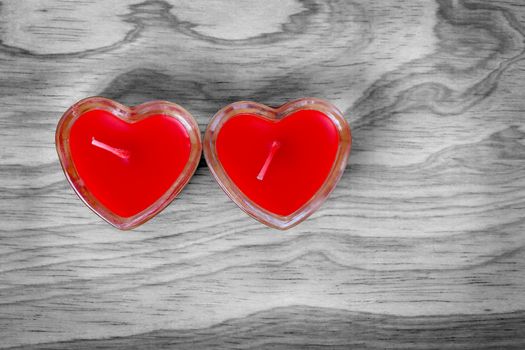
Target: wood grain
[(421, 245)]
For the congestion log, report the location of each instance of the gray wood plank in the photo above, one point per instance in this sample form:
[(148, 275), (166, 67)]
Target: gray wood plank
[(421, 245)]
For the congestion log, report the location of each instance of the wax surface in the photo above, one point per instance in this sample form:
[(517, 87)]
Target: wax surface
[(308, 142), (159, 148)]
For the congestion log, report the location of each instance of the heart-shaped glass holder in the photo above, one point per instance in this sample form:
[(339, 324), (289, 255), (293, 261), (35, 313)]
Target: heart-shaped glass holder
[(244, 202), (129, 115)]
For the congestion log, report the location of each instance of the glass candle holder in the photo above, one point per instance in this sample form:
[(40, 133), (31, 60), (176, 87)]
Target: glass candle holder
[(173, 116), (334, 138)]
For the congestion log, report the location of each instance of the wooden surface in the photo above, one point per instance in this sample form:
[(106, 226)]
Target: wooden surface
[(420, 246)]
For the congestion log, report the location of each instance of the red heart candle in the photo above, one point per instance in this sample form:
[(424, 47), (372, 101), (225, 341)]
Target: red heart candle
[(127, 163), (279, 165)]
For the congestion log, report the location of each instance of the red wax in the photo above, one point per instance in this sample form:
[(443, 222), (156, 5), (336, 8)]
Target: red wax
[(281, 164), (149, 156)]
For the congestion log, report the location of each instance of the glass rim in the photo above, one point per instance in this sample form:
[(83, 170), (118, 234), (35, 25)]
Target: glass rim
[(259, 213), (131, 114)]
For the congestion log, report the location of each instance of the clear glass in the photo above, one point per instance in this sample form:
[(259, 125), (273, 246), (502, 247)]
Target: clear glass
[(130, 115), (254, 210)]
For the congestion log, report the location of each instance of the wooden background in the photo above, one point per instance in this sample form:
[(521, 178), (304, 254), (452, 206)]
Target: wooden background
[(420, 246)]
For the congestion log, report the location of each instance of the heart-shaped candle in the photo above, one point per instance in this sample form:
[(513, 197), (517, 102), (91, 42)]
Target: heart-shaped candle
[(279, 165), (127, 163)]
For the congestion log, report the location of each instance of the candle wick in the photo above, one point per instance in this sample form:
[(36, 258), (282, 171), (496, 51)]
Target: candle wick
[(121, 153), (264, 169)]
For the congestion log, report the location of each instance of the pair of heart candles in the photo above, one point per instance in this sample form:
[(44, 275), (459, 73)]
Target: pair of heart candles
[(128, 163)]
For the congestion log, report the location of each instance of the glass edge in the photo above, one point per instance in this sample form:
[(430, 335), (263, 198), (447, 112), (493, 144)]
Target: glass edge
[(248, 206), (131, 115)]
